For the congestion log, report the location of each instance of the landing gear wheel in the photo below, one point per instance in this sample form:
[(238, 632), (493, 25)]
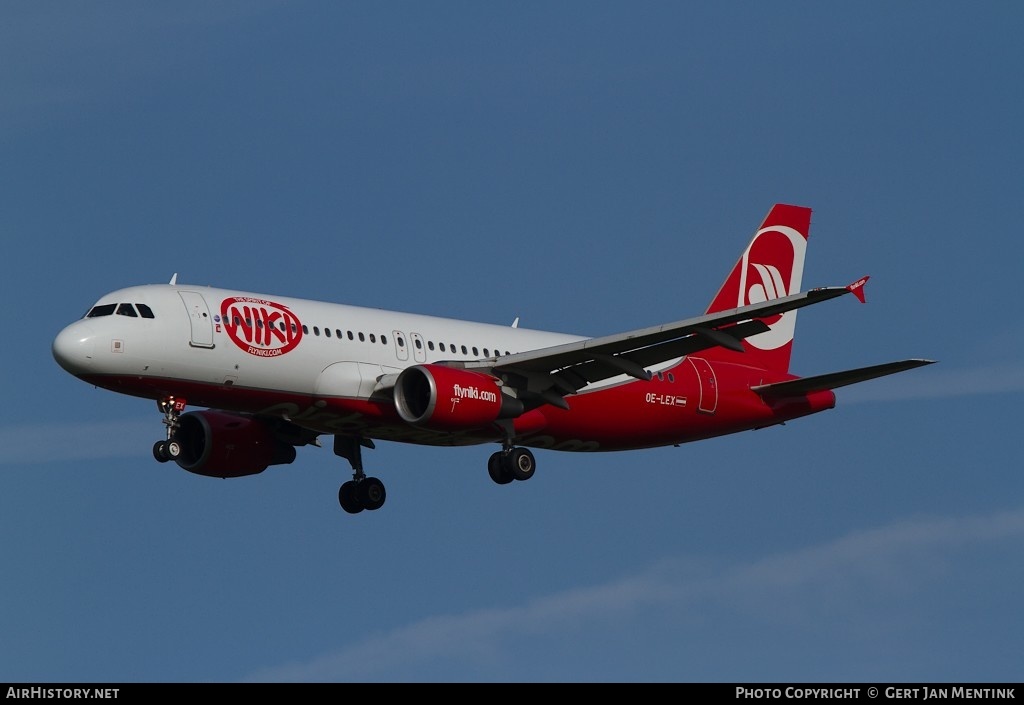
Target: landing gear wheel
[(160, 452), (522, 463), (173, 449), (498, 470), (371, 493), (347, 498)]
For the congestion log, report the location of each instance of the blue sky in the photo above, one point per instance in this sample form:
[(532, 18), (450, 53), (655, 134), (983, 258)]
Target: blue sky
[(590, 167)]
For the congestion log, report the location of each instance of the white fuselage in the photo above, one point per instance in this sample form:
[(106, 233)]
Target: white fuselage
[(231, 340)]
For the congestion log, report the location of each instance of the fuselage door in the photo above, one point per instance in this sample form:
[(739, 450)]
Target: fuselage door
[(419, 351), (199, 317), (708, 385), (401, 346)]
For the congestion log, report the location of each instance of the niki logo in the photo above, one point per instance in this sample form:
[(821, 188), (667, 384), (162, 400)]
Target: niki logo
[(774, 259), (261, 328)]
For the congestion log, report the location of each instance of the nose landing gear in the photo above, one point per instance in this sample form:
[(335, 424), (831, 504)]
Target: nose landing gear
[(170, 449)]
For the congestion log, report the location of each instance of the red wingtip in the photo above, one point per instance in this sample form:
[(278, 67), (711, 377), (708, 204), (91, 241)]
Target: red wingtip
[(857, 288)]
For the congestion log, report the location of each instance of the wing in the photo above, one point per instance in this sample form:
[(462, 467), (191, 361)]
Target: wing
[(548, 375)]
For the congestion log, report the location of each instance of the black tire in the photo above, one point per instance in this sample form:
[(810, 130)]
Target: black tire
[(371, 493), (522, 463), (160, 452), (498, 470), (347, 498)]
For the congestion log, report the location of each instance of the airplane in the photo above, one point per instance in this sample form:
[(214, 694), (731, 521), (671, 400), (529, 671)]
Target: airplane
[(273, 373)]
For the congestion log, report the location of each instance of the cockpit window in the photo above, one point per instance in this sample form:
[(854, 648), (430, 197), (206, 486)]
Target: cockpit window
[(104, 310), (121, 310)]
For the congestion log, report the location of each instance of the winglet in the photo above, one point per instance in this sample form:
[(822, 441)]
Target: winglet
[(857, 288)]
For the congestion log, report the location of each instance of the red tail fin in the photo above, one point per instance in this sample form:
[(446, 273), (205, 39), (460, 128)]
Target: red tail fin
[(771, 267)]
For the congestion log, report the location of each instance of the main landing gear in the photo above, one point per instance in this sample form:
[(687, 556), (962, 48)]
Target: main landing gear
[(361, 492), (511, 464), (171, 408)]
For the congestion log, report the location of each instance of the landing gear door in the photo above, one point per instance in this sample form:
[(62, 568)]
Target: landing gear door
[(199, 317)]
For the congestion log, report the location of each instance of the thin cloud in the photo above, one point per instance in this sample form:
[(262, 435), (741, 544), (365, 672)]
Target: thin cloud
[(936, 383), (886, 557), (476, 636), (777, 587), (46, 442)]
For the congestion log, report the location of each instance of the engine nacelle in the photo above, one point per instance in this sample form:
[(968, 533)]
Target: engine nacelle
[(449, 399), (222, 444)]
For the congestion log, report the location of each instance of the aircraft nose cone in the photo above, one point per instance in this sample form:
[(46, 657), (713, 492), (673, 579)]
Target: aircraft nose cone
[(74, 347)]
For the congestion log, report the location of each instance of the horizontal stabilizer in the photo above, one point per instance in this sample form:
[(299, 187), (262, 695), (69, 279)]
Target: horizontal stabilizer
[(805, 385)]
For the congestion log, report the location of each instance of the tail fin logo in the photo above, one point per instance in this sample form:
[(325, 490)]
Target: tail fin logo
[(775, 256)]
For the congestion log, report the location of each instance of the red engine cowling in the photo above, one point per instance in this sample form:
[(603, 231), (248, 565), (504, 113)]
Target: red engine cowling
[(448, 399), (222, 444)]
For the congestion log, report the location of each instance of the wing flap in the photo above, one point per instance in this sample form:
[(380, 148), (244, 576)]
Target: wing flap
[(598, 369)]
